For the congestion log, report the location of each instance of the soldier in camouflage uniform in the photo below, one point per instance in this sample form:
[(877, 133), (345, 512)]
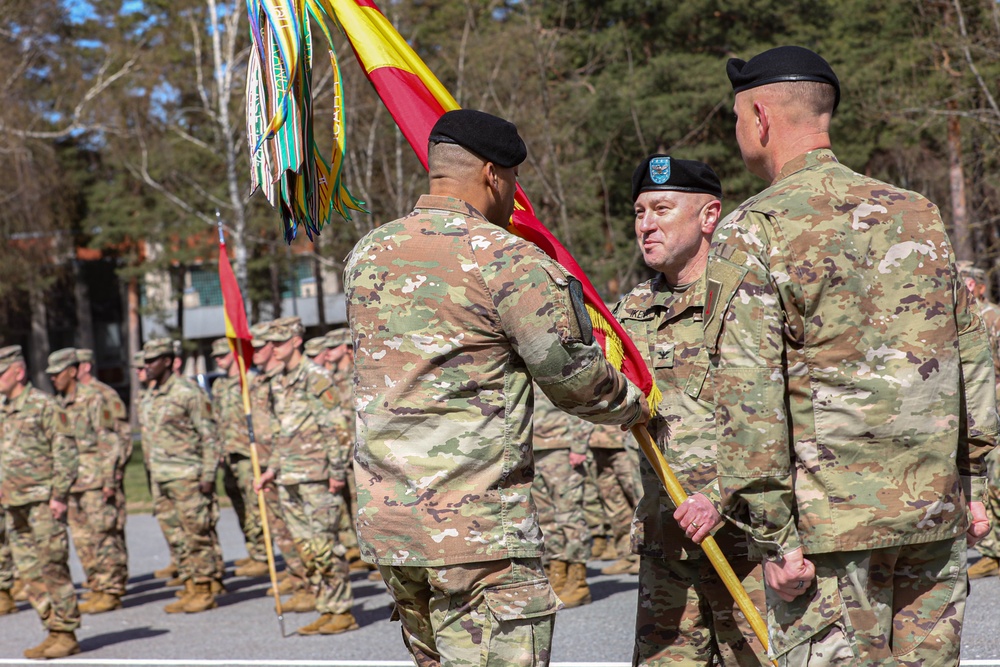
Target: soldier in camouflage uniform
[(854, 387), (560, 444), (989, 547), (7, 603), (93, 518), (179, 436), (452, 316), (309, 463), (237, 469), (38, 464), (685, 614), (617, 471)]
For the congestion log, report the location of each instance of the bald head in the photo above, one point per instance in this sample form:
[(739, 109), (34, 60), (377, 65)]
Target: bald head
[(454, 163), (800, 103), (457, 172)]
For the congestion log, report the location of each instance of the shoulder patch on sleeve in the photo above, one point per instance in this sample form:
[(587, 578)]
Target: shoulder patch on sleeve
[(580, 310), (319, 383)]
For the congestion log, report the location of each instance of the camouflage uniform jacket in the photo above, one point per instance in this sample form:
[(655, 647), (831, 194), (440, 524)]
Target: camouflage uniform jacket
[(854, 383), (452, 317), (120, 437), (991, 318), (667, 325), (344, 380), (230, 416), (96, 439), (262, 409), (554, 429), (38, 458), (310, 432), (179, 432)]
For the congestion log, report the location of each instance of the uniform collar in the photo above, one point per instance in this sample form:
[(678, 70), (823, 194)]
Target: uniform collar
[(453, 204), (808, 160), (164, 388), (18, 403), (675, 301)]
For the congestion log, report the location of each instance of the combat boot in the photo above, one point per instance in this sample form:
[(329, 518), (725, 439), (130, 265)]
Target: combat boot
[(314, 627), (218, 588), (627, 565), (177, 606), (63, 644), (339, 623), (375, 575), (254, 568), (168, 572), (100, 602), (240, 562), (576, 592), (302, 601), (987, 566), (598, 547), (174, 581), (201, 599), (19, 591), (38, 652), (610, 551), (352, 554), (7, 604), (285, 587), (557, 575)]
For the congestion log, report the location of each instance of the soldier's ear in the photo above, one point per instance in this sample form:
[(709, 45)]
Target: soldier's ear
[(710, 215)]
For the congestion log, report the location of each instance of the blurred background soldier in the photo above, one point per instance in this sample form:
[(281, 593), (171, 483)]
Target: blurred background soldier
[(179, 435), (38, 464), (560, 444), (293, 578), (308, 462), (237, 469), (93, 519), (685, 614), (7, 574), (122, 432), (316, 349), (989, 547), (618, 482)]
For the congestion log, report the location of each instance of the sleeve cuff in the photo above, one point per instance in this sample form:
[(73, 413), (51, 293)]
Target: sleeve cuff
[(774, 545), (974, 488)]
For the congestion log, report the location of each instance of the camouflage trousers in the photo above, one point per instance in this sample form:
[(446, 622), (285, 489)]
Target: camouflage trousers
[(900, 606), (199, 556), (616, 477), (313, 516), (348, 530), (990, 545), (686, 616), (7, 573), (497, 613), (100, 545), (593, 507), (40, 547), (558, 494), (282, 537), (237, 479)]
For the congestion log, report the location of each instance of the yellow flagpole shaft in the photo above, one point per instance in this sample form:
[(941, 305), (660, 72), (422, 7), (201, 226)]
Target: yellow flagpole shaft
[(255, 462), (708, 545)]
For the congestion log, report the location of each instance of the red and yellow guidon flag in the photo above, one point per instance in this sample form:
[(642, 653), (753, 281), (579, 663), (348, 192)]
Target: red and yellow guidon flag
[(237, 330), (416, 99)]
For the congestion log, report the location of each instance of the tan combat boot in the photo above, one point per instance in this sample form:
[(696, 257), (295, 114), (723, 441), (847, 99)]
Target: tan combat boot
[(168, 572), (178, 606), (240, 562), (557, 575), (7, 604), (352, 554), (339, 623), (202, 599), (576, 592), (598, 547), (627, 565), (19, 591), (314, 627), (38, 652), (375, 575), (610, 551), (286, 586), (63, 644), (254, 568), (986, 566), (302, 601), (100, 602)]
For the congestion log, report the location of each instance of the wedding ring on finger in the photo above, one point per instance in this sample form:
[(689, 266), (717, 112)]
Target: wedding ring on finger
[(799, 585)]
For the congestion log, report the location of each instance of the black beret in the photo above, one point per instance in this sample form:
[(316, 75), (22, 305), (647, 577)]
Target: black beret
[(784, 63), (662, 172), (494, 139)]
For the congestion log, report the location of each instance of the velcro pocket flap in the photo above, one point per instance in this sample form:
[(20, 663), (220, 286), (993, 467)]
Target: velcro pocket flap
[(512, 602), (792, 623)]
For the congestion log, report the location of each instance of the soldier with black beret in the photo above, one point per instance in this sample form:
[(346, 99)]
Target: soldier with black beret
[(854, 388)]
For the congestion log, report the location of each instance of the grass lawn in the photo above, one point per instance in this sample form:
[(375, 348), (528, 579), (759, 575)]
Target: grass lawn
[(137, 494)]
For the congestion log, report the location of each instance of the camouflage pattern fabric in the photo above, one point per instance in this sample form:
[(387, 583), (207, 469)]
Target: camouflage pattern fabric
[(7, 574), (169, 522), (854, 383), (100, 546), (40, 547), (452, 317), (310, 442), (179, 432), (344, 381), (113, 403), (616, 481), (313, 514), (686, 616), (38, 455), (184, 505), (227, 408), (990, 545), (877, 608), (508, 613), (593, 506)]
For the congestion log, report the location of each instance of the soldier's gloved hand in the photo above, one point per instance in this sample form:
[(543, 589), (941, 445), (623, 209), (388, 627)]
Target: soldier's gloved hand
[(266, 478), (979, 523), (790, 576), (206, 487), (697, 517), (336, 485), (57, 507)]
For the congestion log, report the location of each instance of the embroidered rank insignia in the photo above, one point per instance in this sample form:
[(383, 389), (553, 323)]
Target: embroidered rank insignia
[(659, 170), (714, 287)]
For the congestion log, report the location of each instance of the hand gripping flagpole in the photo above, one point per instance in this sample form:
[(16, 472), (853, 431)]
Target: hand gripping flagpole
[(708, 545), (254, 458)]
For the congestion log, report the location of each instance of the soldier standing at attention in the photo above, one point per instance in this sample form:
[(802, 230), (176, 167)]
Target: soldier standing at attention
[(853, 384), (179, 436), (684, 615), (617, 476), (237, 469), (38, 464), (452, 316), (309, 464), (989, 547), (559, 441), (93, 518)]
